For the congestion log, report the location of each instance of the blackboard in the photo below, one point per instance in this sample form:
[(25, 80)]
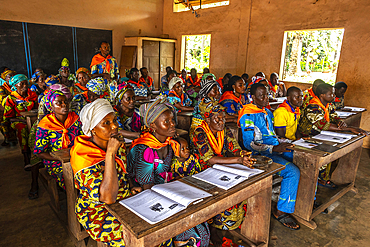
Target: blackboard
[(27, 46), (12, 51), (49, 45), (88, 41)]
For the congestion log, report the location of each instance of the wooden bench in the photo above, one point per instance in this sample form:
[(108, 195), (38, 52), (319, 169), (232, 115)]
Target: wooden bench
[(51, 186), (74, 227)]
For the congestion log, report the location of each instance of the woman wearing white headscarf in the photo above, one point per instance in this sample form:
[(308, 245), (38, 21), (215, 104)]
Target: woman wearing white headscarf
[(98, 160), (177, 96)]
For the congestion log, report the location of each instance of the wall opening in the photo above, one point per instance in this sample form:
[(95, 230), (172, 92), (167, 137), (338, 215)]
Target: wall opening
[(308, 55), (196, 51), (186, 5)]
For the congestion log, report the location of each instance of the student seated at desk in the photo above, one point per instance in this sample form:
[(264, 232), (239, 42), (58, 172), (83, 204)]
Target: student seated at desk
[(287, 115), (257, 127), (340, 89), (223, 81), (165, 79), (128, 116), (164, 88), (234, 96), (178, 97), (56, 131), (145, 78), (83, 77), (150, 158), (98, 160), (215, 144), (5, 90), (96, 89), (320, 115), (38, 84), (140, 88), (310, 93), (277, 86)]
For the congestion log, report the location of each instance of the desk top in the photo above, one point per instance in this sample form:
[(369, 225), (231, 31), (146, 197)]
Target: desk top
[(185, 113), (141, 228), (63, 155), (32, 113), (322, 153)]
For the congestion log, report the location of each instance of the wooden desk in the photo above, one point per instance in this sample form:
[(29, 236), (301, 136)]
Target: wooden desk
[(309, 161), (31, 117), (255, 227), (184, 120), (353, 120)]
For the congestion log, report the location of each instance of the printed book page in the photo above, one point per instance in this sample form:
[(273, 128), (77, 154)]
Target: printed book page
[(219, 178), (238, 169)]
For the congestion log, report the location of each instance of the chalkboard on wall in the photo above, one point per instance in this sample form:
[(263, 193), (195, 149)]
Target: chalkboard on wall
[(27, 46), (49, 45), (12, 51), (88, 41)]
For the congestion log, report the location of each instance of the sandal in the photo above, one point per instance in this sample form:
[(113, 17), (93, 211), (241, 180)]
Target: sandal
[(286, 218), (329, 184), (33, 195)]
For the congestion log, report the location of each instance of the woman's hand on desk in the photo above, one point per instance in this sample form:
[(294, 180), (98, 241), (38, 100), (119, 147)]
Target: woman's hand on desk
[(282, 147), (246, 159), (357, 131), (342, 125), (136, 190)]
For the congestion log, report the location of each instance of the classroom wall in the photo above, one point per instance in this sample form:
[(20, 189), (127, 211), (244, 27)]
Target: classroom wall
[(236, 49), (228, 26), (124, 17)]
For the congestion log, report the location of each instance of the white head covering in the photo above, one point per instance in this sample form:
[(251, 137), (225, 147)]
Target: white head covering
[(93, 113), (173, 82)]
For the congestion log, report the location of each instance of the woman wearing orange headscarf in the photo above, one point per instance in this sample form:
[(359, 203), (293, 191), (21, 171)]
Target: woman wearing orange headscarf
[(5, 90), (56, 131)]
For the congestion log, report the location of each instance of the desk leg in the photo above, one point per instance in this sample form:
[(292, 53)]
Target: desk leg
[(131, 240), (307, 184), (256, 224), (346, 170)]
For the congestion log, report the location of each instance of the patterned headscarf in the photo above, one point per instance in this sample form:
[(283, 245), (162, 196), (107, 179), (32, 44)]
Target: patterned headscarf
[(65, 62), (63, 68), (121, 92), (50, 97), (208, 108), (17, 79), (35, 77), (51, 80), (151, 111), (62, 88), (82, 69), (207, 85), (208, 74), (5, 73), (97, 85)]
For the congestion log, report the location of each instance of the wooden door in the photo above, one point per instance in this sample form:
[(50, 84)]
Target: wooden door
[(151, 59), (128, 59), (167, 56)]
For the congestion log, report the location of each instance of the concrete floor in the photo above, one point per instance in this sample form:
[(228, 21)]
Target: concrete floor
[(30, 223)]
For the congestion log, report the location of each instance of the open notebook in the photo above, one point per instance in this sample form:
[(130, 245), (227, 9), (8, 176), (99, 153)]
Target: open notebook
[(163, 201), (333, 136), (227, 176)]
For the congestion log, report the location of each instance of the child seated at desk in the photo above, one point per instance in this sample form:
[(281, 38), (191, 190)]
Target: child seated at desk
[(185, 164), (340, 89)]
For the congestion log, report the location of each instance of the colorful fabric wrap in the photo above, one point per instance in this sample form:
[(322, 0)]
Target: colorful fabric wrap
[(207, 86), (17, 79), (122, 92), (98, 59), (84, 70), (35, 77), (5, 73), (173, 82), (151, 111), (204, 77), (84, 154), (93, 113), (287, 106), (65, 62), (63, 68), (50, 122), (250, 109), (210, 108), (149, 140), (216, 143), (62, 88), (97, 85), (50, 97), (316, 101), (51, 80)]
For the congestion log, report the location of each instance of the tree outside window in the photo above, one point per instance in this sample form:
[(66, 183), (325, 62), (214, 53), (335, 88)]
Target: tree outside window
[(311, 55), (197, 51)]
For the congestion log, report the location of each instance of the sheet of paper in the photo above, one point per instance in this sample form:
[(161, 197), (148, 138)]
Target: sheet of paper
[(355, 109), (180, 192), (302, 143), (280, 99), (344, 114), (151, 206), (331, 138), (128, 140), (155, 92), (332, 133), (221, 179), (238, 169)]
